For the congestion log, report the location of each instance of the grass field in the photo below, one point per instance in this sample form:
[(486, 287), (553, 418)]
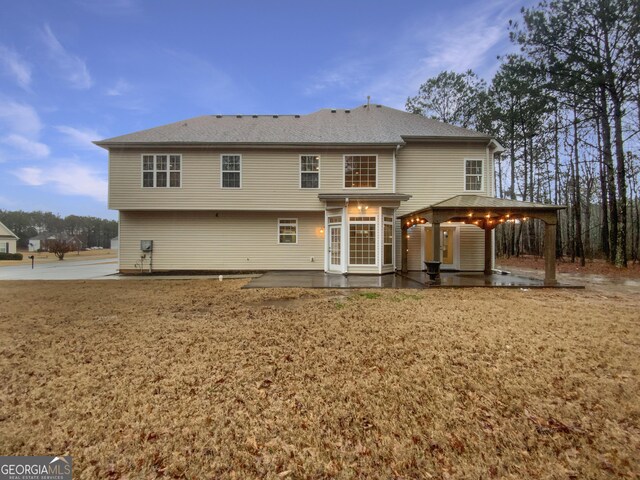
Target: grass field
[(200, 379)]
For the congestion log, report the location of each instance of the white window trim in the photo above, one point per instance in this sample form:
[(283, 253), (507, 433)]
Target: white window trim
[(354, 220), (278, 231), (344, 172), (393, 238), (229, 171), (464, 174), (154, 155), (301, 172)]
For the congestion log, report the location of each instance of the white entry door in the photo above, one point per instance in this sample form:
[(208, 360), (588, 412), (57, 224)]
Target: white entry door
[(335, 247)]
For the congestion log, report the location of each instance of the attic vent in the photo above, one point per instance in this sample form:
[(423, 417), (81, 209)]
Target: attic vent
[(333, 111), (254, 116), (378, 106), (218, 116), (275, 116), (297, 116), (347, 111), (238, 116)]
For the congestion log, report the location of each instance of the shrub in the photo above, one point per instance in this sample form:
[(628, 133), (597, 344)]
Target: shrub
[(10, 256)]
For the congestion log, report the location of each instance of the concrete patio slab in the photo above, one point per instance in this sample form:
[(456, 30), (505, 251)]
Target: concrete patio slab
[(315, 279)]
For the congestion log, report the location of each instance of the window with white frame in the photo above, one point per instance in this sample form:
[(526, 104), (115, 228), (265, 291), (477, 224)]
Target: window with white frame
[(231, 168), (288, 230), (388, 240), (4, 247), (309, 171), (360, 171), (161, 171), (473, 175), (362, 240)]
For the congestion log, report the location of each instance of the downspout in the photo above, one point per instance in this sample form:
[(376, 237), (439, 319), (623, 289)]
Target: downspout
[(393, 177)]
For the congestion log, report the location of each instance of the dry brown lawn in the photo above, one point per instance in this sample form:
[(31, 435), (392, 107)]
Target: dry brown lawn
[(200, 379)]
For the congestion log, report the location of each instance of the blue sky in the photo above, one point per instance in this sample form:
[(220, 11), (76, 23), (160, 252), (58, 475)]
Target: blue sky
[(79, 70)]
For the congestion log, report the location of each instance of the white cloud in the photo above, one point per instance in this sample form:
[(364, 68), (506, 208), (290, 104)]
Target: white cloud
[(66, 178), (71, 67), (32, 148), (20, 118), (120, 88), (80, 137), (15, 66), (422, 48)]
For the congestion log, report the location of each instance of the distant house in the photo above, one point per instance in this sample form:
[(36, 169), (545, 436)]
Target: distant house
[(38, 242), (8, 240), (115, 243)]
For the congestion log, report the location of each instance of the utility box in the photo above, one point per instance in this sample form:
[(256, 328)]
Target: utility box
[(146, 245)]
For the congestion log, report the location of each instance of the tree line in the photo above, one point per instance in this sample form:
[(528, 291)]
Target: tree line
[(91, 231), (567, 110)]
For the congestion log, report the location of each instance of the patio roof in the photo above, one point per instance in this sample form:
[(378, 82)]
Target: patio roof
[(486, 213), (477, 209)]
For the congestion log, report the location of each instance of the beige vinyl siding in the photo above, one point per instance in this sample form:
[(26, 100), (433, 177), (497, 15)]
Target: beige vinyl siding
[(471, 248), (433, 172), (270, 179), (192, 240), (8, 242)]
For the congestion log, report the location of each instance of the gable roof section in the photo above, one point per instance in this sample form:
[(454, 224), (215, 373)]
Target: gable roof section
[(5, 232), (478, 201), (364, 125)]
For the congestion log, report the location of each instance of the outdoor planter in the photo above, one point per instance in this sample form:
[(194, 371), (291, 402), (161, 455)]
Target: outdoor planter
[(433, 270)]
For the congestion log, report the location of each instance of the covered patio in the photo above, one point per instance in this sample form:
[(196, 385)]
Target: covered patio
[(485, 213)]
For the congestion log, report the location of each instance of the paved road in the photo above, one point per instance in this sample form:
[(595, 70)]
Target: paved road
[(65, 270)]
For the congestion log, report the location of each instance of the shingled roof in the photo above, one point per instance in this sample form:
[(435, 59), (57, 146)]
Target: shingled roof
[(364, 125)]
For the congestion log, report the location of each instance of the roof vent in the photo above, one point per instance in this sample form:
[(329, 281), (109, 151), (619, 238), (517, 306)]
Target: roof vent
[(347, 111), (333, 111), (254, 116), (297, 116), (378, 106), (275, 116), (238, 116), (218, 116)]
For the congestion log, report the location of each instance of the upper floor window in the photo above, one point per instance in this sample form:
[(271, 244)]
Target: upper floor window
[(473, 175), (309, 171), (160, 171), (231, 166), (360, 171)]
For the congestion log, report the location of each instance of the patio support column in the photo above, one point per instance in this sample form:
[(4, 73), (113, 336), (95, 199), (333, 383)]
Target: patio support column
[(404, 244), (436, 241), (550, 254), (487, 250)]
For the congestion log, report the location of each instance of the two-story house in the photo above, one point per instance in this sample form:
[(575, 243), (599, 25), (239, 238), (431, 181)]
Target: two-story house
[(322, 191)]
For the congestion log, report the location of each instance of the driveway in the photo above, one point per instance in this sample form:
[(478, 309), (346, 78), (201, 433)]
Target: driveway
[(64, 270)]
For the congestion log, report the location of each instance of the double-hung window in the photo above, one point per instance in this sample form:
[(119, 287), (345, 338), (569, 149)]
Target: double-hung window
[(231, 169), (473, 175), (288, 230), (309, 171), (161, 171), (360, 171)]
